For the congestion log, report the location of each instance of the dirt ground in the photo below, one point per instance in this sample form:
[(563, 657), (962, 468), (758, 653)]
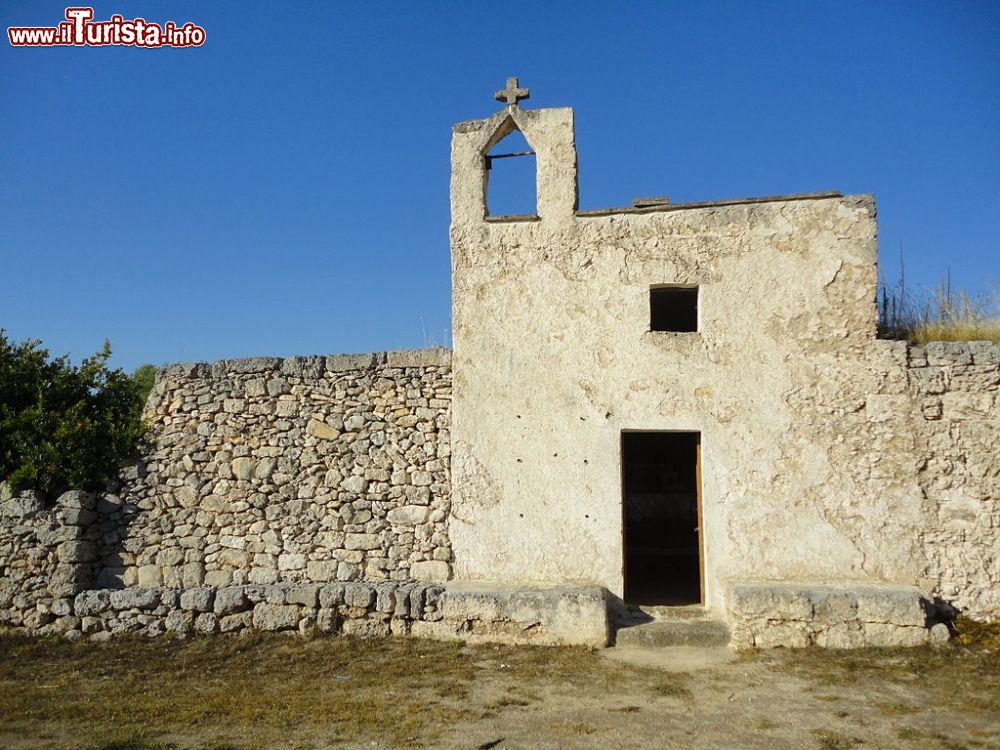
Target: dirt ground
[(286, 692)]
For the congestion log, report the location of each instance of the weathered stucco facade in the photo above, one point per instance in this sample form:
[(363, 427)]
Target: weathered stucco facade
[(822, 460)]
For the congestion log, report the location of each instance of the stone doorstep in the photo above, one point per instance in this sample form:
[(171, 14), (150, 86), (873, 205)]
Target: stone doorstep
[(665, 612), (672, 632), (668, 626)]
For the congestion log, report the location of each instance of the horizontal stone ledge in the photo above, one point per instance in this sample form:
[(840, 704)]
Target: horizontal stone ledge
[(844, 615), (309, 366), (671, 207), (517, 613), (471, 611)]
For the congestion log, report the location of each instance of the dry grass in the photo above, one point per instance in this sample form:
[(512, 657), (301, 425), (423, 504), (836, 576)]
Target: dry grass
[(130, 692), (965, 331), (963, 677), (942, 315), (272, 691)]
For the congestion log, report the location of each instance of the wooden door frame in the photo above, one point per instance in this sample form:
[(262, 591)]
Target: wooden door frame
[(701, 522)]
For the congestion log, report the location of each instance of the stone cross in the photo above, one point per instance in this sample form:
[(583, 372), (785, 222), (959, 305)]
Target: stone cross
[(512, 94)]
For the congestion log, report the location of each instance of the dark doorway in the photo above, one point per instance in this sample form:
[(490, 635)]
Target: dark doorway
[(661, 508)]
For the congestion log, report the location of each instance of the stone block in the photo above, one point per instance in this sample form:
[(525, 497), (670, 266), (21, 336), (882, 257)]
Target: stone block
[(842, 635), (416, 602), (276, 616), (430, 571), (890, 635), (89, 603), (218, 578), (187, 497), (90, 625), (136, 598), (899, 606), (75, 516), (243, 468), (834, 605), (24, 505), (355, 485), (252, 365), (359, 595), (278, 386), (401, 601), (784, 634), (322, 430), (328, 620), (948, 353), (985, 352), (435, 357), (308, 367), (346, 362), (305, 594), (254, 388), (235, 622), (170, 557), (569, 615), (150, 576), (409, 515), (263, 575), (291, 562), (265, 469), (322, 570), (77, 499), (366, 627), (68, 580), (206, 623), (197, 600), (347, 571), (331, 595), (179, 622), (77, 552), (385, 598), (362, 541), (233, 558), (193, 575), (230, 600)]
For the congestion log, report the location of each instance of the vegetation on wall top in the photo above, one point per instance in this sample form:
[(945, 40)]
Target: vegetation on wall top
[(945, 314)]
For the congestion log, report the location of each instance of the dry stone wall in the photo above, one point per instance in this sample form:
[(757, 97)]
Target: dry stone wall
[(46, 556), (955, 408), (344, 608), (304, 469)]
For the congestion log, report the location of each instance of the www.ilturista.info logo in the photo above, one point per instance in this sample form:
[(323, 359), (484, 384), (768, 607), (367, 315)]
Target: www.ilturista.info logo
[(79, 30)]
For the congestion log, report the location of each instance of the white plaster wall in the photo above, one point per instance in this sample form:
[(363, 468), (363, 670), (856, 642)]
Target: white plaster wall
[(553, 359)]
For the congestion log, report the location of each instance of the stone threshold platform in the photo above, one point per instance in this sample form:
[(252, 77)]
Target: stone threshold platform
[(471, 612)]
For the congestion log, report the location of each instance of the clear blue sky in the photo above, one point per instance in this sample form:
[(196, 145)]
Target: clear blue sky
[(284, 188)]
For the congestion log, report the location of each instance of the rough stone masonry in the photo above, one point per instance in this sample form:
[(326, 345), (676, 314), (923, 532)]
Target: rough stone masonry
[(849, 487)]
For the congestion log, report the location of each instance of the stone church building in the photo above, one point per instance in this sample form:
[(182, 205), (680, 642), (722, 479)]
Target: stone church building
[(665, 423)]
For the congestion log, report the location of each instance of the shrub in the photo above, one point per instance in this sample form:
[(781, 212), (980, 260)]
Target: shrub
[(64, 426)]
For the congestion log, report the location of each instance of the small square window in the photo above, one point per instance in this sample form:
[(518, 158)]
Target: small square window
[(673, 308)]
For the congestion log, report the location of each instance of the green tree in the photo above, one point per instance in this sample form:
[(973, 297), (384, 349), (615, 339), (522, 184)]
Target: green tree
[(64, 426), (144, 377)]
